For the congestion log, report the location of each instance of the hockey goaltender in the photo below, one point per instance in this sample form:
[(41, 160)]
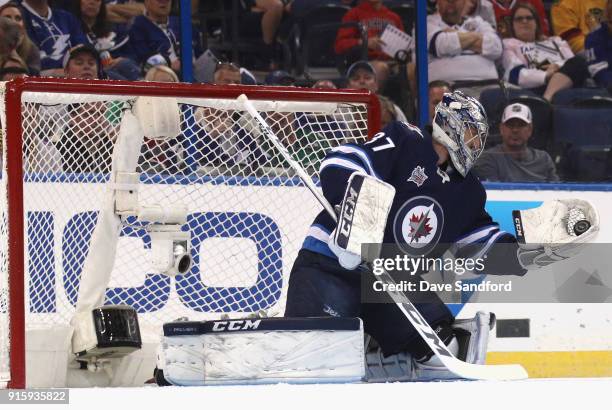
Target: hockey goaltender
[(415, 192), (398, 188)]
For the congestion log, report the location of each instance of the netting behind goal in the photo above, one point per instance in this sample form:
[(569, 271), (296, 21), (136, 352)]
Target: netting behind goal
[(248, 212)]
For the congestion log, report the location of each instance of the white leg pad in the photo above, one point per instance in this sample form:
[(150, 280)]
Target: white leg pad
[(262, 351)]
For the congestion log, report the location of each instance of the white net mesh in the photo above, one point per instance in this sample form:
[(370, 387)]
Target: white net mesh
[(248, 212)]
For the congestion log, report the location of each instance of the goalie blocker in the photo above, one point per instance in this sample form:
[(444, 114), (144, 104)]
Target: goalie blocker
[(362, 218)]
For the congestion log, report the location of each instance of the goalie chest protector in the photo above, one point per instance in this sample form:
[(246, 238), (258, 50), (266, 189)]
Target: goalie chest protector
[(432, 207), (262, 350)]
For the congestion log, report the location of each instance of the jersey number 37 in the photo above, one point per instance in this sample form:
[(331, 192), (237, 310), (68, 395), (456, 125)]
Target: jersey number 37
[(380, 138)]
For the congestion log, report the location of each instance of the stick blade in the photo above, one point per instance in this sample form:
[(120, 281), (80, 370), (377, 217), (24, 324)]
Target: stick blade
[(485, 371)]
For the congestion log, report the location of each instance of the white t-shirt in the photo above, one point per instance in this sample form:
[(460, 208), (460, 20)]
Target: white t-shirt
[(447, 61)]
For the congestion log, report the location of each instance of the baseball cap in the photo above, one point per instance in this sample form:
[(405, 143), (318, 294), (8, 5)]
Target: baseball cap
[(517, 110), (279, 77), (360, 65), (81, 48)]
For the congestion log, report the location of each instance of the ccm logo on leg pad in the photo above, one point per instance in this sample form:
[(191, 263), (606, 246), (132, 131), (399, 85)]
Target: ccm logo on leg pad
[(233, 325)]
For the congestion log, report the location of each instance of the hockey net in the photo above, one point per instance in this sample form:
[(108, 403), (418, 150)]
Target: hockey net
[(248, 212)]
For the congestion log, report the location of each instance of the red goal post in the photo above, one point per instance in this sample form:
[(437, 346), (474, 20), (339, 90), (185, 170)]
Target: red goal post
[(248, 212)]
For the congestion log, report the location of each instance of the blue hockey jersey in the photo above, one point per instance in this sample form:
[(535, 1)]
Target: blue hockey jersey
[(148, 38), (54, 35), (598, 50), (116, 42), (433, 208)]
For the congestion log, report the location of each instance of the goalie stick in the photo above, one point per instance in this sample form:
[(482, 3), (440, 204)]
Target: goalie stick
[(460, 368)]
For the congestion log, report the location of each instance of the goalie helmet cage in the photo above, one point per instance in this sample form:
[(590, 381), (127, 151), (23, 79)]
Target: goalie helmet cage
[(248, 212)]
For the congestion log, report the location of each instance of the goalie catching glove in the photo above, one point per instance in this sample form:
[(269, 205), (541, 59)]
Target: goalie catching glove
[(555, 231), (362, 218)]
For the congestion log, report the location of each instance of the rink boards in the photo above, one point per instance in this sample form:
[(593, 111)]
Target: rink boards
[(550, 339)]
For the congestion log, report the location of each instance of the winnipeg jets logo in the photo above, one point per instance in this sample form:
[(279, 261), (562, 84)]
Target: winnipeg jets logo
[(418, 225), (418, 176)]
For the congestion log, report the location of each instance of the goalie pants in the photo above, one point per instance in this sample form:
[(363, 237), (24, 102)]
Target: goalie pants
[(319, 286)]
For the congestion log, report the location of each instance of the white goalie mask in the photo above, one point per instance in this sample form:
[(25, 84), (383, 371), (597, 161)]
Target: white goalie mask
[(460, 125)]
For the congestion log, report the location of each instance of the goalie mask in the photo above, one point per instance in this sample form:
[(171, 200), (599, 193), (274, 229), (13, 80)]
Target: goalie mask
[(460, 125)]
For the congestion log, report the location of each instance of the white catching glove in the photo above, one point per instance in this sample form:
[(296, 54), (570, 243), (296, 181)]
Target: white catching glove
[(554, 231), (362, 218)]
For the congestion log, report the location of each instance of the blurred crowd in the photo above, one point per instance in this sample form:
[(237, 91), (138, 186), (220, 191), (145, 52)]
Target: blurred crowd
[(526, 60)]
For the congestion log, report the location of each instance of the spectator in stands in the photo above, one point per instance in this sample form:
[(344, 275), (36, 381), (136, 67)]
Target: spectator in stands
[(503, 11), (156, 32), (361, 75), (284, 124), (598, 50), (87, 141), (9, 72), (462, 50), (45, 123), (387, 111), (124, 11), (111, 40), (531, 60), (13, 67), (224, 137), (26, 49), (161, 73), (325, 84), (572, 20), (513, 160), (437, 89), (82, 62), (481, 8), (279, 78), (224, 140), (270, 21), (54, 31), (227, 73), (374, 16), (9, 39), (247, 77)]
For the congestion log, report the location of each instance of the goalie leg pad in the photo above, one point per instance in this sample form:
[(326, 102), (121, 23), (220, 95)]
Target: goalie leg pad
[(380, 369), (470, 344), (471, 341), (259, 351)]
